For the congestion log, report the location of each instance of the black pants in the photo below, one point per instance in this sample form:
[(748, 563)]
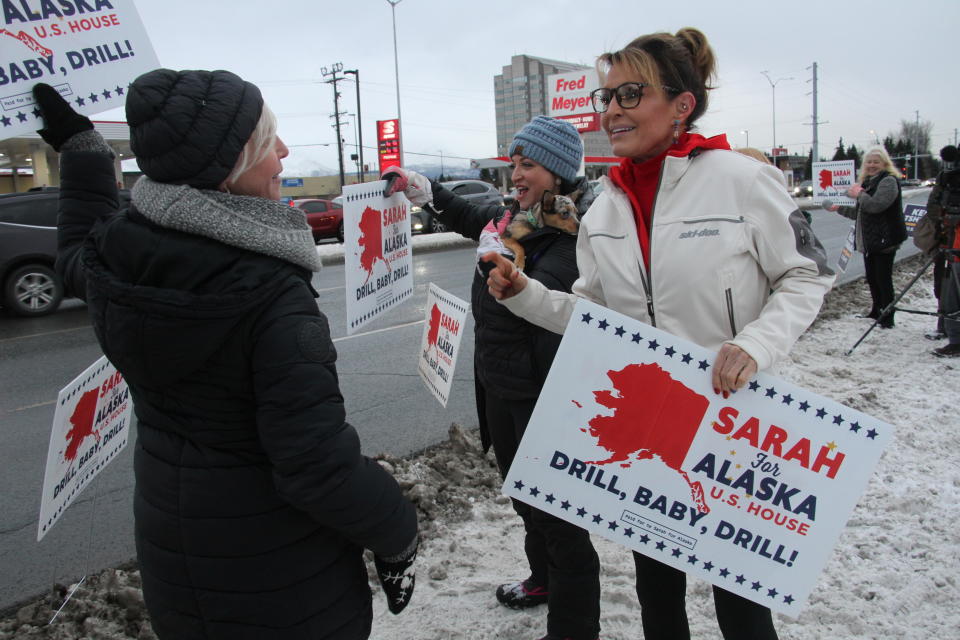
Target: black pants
[(662, 592), (878, 268), (562, 558)]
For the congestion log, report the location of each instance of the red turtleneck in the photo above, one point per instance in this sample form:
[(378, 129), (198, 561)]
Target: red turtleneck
[(639, 180)]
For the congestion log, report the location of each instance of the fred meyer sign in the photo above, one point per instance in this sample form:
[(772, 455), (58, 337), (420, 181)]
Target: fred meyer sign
[(568, 97)]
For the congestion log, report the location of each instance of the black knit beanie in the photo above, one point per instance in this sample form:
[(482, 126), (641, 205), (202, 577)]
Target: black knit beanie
[(189, 127)]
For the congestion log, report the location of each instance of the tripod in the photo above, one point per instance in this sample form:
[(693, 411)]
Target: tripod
[(890, 308)]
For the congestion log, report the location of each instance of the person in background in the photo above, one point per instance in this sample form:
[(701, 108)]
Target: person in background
[(695, 239), (880, 228), (756, 154), (512, 357), (943, 207), (253, 503)]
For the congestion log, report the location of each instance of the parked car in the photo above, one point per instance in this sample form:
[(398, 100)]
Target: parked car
[(28, 248), (475, 191), (325, 216), (803, 190), (910, 182)]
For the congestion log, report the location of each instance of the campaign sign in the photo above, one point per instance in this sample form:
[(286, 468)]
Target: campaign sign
[(848, 247), (377, 258), (90, 427), (446, 317), (912, 214), (832, 179), (89, 50), (629, 441)]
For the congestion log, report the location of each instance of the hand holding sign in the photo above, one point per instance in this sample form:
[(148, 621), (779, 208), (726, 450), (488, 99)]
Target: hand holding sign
[(60, 121)]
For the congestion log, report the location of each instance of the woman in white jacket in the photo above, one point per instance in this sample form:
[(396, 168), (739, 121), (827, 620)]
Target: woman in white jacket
[(695, 239)]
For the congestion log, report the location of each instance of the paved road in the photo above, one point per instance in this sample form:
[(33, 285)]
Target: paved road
[(385, 400)]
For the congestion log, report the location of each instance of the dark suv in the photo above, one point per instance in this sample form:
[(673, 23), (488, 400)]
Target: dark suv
[(475, 191), (28, 248)]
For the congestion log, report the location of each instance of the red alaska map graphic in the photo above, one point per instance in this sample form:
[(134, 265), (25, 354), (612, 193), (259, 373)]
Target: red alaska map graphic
[(371, 240), (82, 421), (434, 329), (826, 178), (653, 415)]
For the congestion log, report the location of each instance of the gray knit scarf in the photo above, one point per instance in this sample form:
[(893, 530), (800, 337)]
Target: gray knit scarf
[(256, 224)]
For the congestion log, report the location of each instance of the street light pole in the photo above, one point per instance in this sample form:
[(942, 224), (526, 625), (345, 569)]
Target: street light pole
[(773, 87), (746, 133), (441, 163), (356, 74), (396, 69)]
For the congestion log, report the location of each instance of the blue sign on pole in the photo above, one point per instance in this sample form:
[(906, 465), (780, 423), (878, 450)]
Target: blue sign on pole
[(292, 182)]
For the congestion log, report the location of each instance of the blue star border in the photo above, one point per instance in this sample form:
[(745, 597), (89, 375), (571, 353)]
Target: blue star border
[(660, 547), (22, 115), (838, 419)]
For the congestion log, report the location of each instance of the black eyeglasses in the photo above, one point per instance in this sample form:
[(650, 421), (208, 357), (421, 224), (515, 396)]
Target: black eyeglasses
[(628, 95)]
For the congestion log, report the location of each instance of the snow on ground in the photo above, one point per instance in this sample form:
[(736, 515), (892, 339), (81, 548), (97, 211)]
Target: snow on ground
[(893, 573)]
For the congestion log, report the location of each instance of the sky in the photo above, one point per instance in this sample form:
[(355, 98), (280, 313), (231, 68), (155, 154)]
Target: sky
[(878, 63)]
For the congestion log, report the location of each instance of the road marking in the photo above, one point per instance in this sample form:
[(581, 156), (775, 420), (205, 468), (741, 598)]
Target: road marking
[(48, 333), (31, 406), (369, 333)]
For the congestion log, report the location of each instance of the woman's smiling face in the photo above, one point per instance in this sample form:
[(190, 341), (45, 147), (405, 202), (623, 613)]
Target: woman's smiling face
[(646, 130)]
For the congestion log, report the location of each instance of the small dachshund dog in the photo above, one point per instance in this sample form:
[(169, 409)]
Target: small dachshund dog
[(555, 211)]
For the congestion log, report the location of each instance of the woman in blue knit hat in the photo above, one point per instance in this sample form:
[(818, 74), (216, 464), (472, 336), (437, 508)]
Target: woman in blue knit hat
[(512, 356)]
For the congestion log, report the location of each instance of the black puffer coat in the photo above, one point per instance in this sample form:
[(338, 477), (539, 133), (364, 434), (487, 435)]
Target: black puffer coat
[(511, 356), (253, 502), (879, 215)]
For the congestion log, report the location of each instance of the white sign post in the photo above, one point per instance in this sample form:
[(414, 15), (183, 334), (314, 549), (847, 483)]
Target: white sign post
[(831, 181), (90, 427), (440, 345), (88, 51), (629, 441), (377, 256)]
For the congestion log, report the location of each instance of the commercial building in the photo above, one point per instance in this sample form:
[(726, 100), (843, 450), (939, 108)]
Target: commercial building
[(523, 91)]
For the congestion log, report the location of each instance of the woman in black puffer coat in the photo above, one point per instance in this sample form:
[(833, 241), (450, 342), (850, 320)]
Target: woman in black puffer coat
[(880, 228), (253, 503), (512, 358)]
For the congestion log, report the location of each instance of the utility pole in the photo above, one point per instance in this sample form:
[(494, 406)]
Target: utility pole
[(815, 149), (334, 79), (356, 74), (916, 149)]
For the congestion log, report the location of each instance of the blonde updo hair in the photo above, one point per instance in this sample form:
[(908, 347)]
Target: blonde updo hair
[(261, 142), (684, 62), (884, 157)]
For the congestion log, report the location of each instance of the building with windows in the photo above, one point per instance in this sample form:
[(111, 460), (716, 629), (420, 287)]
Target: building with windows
[(521, 93)]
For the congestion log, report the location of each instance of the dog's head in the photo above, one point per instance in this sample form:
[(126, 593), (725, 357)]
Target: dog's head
[(560, 211)]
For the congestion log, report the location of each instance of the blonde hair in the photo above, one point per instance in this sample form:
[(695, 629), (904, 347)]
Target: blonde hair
[(683, 62), (754, 153), (261, 142), (884, 156)]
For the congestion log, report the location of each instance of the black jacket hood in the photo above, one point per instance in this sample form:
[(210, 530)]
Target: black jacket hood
[(169, 299)]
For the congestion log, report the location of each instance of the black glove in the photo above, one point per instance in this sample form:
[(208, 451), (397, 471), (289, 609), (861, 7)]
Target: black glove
[(61, 121), (397, 578)]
